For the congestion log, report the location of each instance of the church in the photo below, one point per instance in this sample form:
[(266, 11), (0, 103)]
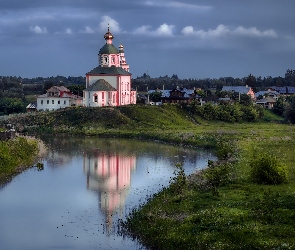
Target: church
[(109, 84)]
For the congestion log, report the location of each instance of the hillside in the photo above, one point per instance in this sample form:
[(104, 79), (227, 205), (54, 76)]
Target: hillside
[(124, 117)]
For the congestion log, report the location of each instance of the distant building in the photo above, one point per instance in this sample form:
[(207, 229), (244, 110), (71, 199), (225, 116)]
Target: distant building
[(109, 84), (267, 102), (286, 90), (58, 97), (240, 89), (177, 95), (268, 93), (32, 107)]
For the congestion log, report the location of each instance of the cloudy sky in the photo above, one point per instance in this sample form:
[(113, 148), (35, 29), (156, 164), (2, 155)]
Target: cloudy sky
[(190, 38)]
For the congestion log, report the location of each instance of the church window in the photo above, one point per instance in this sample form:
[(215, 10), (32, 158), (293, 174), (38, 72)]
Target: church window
[(114, 98), (102, 95), (95, 99)]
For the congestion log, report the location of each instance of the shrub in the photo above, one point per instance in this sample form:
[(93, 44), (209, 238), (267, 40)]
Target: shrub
[(216, 175), (266, 169), (226, 149), (178, 182)]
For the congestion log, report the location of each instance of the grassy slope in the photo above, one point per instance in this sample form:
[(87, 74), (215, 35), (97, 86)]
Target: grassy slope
[(245, 216)]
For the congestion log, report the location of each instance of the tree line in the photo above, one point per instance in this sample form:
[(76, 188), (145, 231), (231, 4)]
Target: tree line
[(145, 82)]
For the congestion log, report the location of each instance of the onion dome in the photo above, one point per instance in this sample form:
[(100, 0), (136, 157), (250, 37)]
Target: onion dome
[(121, 48), (108, 49), (108, 35)]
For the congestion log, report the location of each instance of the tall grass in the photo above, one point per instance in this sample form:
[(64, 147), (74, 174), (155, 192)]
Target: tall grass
[(15, 153)]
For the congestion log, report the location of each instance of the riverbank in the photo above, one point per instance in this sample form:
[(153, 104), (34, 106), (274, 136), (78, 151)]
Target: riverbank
[(240, 214), (236, 214), (19, 154)]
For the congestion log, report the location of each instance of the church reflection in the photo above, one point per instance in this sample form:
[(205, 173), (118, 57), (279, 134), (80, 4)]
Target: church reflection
[(110, 176)]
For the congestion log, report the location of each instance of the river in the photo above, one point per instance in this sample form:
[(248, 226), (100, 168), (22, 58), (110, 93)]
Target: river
[(87, 185)]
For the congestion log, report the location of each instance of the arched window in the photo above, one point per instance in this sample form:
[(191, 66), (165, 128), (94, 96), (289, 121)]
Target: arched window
[(95, 99)]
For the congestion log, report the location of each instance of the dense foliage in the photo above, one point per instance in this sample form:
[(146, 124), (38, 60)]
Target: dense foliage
[(227, 112), (11, 106), (15, 153), (267, 169)]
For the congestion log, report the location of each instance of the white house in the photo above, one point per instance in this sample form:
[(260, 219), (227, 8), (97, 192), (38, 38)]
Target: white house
[(58, 97), (109, 84)]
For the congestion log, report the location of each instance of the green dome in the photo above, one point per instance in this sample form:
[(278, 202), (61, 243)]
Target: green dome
[(108, 49)]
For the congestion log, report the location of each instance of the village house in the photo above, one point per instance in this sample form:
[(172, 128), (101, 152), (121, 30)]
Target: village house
[(177, 95), (240, 89), (109, 84), (286, 90), (58, 97), (267, 102), (31, 107), (267, 93)]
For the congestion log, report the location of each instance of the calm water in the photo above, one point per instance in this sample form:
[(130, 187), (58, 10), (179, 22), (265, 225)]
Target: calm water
[(87, 184)]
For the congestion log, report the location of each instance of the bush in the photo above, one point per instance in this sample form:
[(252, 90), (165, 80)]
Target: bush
[(216, 174), (178, 182), (266, 169)]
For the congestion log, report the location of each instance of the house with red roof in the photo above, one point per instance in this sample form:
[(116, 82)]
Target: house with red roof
[(58, 97)]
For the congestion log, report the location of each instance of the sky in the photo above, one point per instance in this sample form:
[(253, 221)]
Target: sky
[(191, 38)]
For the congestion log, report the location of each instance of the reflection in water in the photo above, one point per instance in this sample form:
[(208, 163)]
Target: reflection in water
[(110, 176), (57, 208)]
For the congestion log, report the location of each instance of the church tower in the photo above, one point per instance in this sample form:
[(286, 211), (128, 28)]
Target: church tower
[(108, 55), (123, 63), (109, 84)]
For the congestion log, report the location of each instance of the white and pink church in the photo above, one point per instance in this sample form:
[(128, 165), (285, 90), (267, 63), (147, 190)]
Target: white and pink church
[(109, 84)]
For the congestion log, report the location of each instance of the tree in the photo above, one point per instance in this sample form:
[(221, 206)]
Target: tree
[(289, 113), (251, 82), (76, 89), (47, 85), (155, 96), (279, 106), (245, 100), (11, 106), (175, 77)]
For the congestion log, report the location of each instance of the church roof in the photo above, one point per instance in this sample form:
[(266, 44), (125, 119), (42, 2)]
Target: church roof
[(100, 85), (109, 71), (108, 49)]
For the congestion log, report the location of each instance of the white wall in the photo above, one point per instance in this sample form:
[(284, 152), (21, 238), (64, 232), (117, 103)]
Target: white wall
[(63, 103), (88, 100)]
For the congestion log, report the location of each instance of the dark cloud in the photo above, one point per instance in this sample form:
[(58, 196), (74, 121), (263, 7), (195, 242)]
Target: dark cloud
[(195, 39)]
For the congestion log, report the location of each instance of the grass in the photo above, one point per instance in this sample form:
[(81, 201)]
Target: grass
[(244, 215), (16, 155)]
